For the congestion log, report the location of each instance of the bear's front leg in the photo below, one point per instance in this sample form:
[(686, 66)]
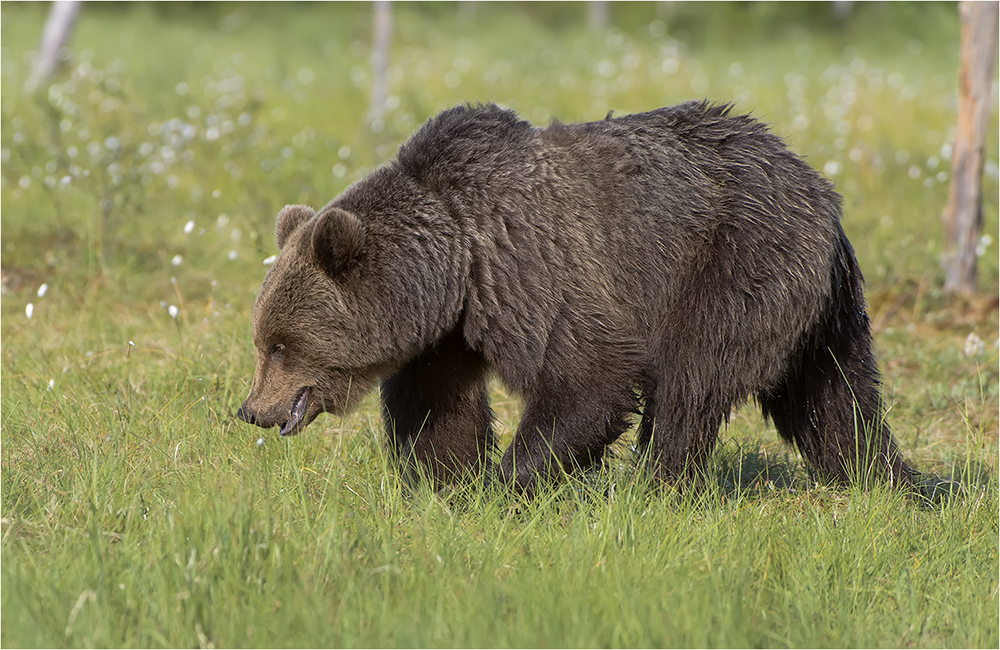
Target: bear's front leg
[(436, 411)]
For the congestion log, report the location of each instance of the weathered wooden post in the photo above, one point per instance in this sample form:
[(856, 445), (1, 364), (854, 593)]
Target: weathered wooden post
[(381, 38), (58, 27), (963, 214), (597, 14)]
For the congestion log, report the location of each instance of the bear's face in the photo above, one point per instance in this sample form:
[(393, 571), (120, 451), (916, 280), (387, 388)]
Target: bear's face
[(305, 324)]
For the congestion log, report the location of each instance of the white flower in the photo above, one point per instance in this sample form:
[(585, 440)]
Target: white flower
[(52, 384), (189, 227), (270, 260), (232, 256), (172, 310), (29, 310), (42, 290), (177, 260), (974, 345), (984, 243), (305, 76)]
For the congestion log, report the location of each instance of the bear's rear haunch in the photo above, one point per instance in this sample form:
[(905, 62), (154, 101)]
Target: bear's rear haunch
[(671, 263)]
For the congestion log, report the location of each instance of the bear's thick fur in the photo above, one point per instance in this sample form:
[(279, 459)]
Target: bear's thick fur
[(671, 263)]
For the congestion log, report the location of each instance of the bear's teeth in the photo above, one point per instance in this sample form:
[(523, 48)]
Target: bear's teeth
[(298, 413)]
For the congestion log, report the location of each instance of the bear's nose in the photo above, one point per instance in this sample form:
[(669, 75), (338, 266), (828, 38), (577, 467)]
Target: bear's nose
[(246, 415)]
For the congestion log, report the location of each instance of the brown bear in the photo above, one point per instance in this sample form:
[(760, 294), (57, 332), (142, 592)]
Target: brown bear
[(670, 264)]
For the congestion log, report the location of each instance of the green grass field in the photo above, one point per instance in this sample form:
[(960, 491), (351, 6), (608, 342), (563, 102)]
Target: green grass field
[(138, 199)]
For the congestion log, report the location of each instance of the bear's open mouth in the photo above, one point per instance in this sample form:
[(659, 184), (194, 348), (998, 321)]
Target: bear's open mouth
[(291, 427)]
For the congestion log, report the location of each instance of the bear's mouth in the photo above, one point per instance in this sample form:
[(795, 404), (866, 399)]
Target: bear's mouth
[(291, 427)]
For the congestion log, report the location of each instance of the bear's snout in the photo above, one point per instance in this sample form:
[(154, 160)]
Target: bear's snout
[(244, 413)]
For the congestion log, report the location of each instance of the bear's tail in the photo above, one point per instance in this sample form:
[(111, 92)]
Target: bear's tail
[(829, 402)]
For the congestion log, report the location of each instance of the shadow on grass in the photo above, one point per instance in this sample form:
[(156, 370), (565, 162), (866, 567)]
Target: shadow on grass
[(755, 471), (750, 471), (959, 480)]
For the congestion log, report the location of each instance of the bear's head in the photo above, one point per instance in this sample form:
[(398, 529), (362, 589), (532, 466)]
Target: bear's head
[(307, 320)]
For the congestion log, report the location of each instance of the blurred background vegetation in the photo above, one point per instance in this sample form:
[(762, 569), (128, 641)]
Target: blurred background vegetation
[(266, 104)]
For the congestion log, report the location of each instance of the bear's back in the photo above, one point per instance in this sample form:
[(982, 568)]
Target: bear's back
[(463, 144)]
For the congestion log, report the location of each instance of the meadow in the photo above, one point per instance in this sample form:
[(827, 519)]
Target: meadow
[(139, 193)]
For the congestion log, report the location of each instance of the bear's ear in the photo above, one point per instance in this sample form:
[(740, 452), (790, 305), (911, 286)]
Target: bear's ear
[(338, 240), (290, 218)]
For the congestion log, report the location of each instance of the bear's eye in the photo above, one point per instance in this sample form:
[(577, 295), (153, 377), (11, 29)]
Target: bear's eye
[(277, 348)]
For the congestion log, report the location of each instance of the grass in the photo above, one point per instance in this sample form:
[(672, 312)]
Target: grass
[(141, 191)]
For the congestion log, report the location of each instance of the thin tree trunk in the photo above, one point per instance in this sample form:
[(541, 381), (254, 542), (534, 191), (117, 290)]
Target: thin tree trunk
[(467, 10), (597, 12), (382, 28), (58, 28), (963, 215)]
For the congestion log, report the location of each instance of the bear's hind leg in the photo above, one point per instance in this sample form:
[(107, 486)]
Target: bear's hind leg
[(830, 406), (564, 430), (830, 399), (436, 411), (679, 435)]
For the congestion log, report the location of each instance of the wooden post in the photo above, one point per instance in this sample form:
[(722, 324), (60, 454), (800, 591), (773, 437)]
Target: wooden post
[(58, 27), (381, 38), (963, 215), (597, 14), (467, 10)]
